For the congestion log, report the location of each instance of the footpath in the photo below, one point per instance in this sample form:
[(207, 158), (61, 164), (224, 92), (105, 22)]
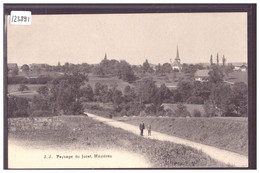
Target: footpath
[(224, 156)]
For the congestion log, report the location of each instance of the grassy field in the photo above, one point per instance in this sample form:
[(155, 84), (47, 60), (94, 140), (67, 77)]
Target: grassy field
[(12, 89), (237, 76), (225, 133), (190, 108), (93, 134)]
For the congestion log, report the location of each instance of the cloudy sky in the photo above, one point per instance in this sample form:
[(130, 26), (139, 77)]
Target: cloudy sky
[(131, 37)]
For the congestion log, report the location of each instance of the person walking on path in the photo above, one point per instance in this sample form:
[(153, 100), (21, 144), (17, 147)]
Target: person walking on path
[(141, 127), (149, 128)]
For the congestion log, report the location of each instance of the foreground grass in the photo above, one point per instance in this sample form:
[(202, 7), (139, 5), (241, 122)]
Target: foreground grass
[(92, 134), (229, 133)]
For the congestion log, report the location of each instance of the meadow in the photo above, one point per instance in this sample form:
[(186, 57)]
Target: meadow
[(81, 132), (229, 133)]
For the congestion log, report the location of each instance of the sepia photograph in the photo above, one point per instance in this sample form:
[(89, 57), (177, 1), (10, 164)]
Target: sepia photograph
[(157, 87)]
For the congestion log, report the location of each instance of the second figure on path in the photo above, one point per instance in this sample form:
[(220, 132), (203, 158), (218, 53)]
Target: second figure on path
[(141, 127)]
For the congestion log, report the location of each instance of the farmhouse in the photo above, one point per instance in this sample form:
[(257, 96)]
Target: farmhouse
[(176, 65), (243, 68), (201, 75), (240, 67)]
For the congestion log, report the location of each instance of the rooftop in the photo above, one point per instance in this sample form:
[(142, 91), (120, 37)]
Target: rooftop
[(202, 73)]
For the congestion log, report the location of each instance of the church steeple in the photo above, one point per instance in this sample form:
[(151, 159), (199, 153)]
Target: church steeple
[(177, 55)]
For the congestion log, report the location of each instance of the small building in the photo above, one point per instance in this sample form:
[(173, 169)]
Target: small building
[(243, 68), (176, 65), (201, 75), (240, 67)]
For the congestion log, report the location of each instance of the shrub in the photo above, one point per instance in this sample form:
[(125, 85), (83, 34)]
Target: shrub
[(17, 107), (41, 113), (93, 107), (17, 80), (23, 87), (169, 112), (196, 113), (195, 100), (210, 110), (182, 110)]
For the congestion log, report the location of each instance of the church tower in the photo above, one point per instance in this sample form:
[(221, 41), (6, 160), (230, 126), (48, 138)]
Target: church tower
[(176, 65), (177, 55)]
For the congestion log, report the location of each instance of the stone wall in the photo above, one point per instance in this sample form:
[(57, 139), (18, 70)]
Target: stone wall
[(34, 123)]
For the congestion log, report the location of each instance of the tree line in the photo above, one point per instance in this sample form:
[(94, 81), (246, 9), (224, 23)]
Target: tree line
[(66, 95)]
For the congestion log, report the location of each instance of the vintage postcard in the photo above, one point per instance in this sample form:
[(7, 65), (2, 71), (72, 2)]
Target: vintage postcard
[(127, 90)]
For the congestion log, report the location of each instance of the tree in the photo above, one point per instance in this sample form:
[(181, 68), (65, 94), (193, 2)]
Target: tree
[(165, 93), (216, 75), (181, 110), (117, 98), (211, 60), (102, 93), (65, 92), (43, 90), (209, 108), (185, 88), (146, 89), (66, 67), (224, 60), (25, 68), (167, 68), (87, 93), (98, 70), (217, 60), (239, 98), (23, 87), (159, 69), (17, 106), (201, 90), (125, 72), (146, 66), (228, 69), (220, 98), (40, 103), (129, 94)]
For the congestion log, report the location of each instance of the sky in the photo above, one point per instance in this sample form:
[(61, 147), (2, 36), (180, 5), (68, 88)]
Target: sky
[(132, 37)]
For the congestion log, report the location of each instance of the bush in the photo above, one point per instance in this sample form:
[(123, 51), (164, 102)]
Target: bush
[(41, 113), (93, 107), (17, 107), (195, 100), (169, 112), (23, 87), (182, 110), (17, 80), (210, 110), (196, 113)]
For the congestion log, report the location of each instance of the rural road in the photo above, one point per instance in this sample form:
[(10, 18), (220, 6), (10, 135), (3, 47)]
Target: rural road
[(224, 156)]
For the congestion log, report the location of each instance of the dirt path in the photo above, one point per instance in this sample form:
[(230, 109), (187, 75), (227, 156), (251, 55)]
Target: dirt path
[(224, 156)]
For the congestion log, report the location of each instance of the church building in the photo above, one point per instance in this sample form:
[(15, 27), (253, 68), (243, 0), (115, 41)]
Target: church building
[(176, 65)]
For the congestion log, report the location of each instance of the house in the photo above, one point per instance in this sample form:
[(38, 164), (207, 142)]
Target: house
[(201, 75), (240, 67), (176, 65), (243, 68), (37, 67)]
